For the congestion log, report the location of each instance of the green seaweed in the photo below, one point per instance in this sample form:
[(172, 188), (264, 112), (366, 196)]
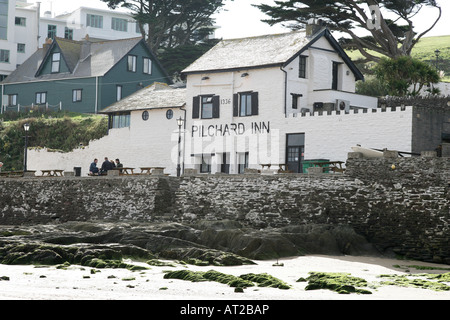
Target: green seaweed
[(342, 283), (416, 282), (243, 281), (265, 280)]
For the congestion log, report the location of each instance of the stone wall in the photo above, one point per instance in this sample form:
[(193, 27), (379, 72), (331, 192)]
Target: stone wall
[(400, 205)]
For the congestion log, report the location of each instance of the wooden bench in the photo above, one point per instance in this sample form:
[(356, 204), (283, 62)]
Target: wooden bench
[(335, 166), (52, 173), (152, 170), (11, 174)]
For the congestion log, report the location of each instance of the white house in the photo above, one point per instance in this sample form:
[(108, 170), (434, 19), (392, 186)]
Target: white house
[(276, 99), (24, 29), (246, 98)]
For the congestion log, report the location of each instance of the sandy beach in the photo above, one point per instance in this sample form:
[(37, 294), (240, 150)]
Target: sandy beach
[(84, 283)]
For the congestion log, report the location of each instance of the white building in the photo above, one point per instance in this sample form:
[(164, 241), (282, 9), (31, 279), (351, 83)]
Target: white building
[(276, 99), (18, 35), (97, 23), (22, 33), (246, 97)]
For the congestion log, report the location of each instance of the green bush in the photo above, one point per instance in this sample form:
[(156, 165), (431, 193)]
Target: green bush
[(57, 131)]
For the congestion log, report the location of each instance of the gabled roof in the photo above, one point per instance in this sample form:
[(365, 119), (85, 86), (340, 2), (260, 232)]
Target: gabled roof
[(262, 51), (156, 96), (83, 59)]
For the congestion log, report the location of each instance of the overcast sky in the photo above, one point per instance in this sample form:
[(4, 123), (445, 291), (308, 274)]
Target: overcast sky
[(240, 19)]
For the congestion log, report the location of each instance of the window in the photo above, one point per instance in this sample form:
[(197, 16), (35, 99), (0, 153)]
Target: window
[(147, 66), (76, 95), (145, 115), (295, 100), (3, 19), (20, 21), (245, 104), (205, 166), (94, 21), (12, 100), (51, 31), (119, 24), (302, 67), (68, 33), (21, 48), (4, 55), (41, 97), (56, 58), (131, 65), (120, 121), (206, 107), (118, 93), (169, 114)]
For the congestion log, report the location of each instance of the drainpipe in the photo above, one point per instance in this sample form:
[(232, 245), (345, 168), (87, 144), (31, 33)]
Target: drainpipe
[(96, 95), (184, 141), (38, 21), (285, 91), (1, 99)]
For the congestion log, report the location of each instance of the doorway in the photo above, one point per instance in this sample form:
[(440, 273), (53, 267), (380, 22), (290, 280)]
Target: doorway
[(225, 166), (295, 149)]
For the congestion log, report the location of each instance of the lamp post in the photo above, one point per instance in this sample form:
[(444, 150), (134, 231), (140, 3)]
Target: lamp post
[(26, 127), (436, 53), (180, 122)]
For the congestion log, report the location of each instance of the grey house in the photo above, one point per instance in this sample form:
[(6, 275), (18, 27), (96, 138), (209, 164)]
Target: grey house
[(81, 76)]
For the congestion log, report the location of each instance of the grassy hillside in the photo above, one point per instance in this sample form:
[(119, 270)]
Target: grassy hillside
[(424, 50), (57, 130)]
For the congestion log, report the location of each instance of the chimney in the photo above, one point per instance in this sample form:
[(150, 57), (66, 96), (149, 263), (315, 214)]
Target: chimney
[(85, 47), (48, 42), (313, 26)]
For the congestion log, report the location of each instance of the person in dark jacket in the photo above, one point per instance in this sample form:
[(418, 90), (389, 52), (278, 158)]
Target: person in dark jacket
[(106, 165), (93, 170)]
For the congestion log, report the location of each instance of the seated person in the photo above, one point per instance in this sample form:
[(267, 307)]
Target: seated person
[(106, 165), (93, 170)]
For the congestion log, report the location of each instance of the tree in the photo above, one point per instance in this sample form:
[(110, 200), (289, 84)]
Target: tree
[(405, 75), (170, 23), (391, 38)]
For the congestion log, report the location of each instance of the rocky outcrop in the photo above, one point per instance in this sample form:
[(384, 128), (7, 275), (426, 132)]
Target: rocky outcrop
[(216, 243)]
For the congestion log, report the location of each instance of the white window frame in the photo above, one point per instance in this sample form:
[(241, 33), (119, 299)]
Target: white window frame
[(77, 95), (41, 97), (131, 63), (118, 93), (147, 66)]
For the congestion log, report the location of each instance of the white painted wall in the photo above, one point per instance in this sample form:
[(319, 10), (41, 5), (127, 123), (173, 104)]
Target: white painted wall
[(144, 143)]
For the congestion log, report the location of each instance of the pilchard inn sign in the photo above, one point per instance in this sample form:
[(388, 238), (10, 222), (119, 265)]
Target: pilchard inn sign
[(221, 130)]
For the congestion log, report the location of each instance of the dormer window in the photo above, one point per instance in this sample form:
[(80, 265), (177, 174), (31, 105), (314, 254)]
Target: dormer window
[(56, 59)]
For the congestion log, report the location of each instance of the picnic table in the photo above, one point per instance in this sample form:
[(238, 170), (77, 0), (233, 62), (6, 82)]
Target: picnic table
[(335, 166), (282, 167), (17, 173), (124, 170), (152, 170), (52, 173)]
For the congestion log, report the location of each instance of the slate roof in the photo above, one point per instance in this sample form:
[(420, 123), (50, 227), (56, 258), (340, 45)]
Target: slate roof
[(156, 96), (262, 51), (83, 58)]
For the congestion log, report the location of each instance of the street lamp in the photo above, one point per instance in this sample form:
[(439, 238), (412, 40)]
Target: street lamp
[(26, 127), (436, 53), (180, 122)]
